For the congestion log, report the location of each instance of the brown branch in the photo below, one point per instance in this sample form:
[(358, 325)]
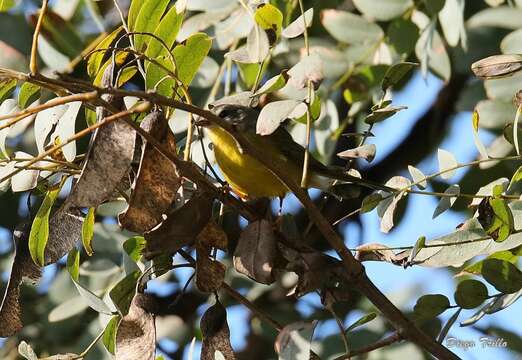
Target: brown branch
[(78, 135)]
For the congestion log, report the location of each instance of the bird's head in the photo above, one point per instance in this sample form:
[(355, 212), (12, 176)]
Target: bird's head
[(242, 118)]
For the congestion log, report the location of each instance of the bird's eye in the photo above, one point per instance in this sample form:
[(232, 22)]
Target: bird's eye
[(228, 113)]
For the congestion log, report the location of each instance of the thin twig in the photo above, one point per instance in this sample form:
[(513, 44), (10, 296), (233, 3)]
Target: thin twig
[(395, 337), (143, 107), (33, 65)]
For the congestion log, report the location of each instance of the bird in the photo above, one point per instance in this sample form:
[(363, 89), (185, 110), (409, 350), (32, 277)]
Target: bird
[(247, 176)]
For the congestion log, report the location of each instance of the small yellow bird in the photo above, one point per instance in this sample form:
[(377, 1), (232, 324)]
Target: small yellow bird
[(251, 179)]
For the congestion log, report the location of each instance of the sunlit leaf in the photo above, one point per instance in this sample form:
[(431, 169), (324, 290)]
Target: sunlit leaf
[(297, 27), (110, 333), (88, 231), (447, 164), (40, 227)]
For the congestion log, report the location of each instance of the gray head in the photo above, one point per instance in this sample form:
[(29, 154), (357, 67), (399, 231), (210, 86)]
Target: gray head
[(243, 118)]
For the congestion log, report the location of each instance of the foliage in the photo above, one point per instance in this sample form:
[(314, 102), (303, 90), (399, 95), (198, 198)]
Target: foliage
[(102, 121)]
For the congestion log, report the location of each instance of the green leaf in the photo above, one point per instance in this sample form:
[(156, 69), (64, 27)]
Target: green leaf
[(503, 275), (447, 163), (62, 35), (419, 245), (28, 94), (506, 17), (147, 21), (189, 56), (383, 10), (88, 231), (517, 177), (123, 292), (94, 302), (418, 177), (451, 19), (434, 6), (431, 52), (273, 84), (5, 5), (395, 73), (73, 264), (361, 321), (512, 43), (496, 218), (96, 58), (403, 35), (119, 60), (470, 294), (508, 255), (371, 202), (350, 28), (6, 89), (134, 11), (109, 334), (430, 306), (495, 114), (270, 18), (446, 202), (315, 111), (40, 228), (134, 247), (167, 30)]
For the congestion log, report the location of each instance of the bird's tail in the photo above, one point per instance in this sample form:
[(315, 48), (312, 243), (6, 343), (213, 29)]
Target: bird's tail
[(333, 176)]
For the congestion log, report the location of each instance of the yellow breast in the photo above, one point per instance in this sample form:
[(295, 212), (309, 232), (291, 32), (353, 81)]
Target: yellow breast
[(245, 175)]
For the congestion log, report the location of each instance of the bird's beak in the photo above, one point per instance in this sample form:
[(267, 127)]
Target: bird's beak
[(201, 121)]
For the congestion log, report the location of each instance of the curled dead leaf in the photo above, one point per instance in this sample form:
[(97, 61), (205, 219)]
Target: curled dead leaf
[(109, 157), (317, 271), (216, 334), (181, 227), (379, 252), (256, 252), (136, 336), (157, 182), (210, 273), (23, 267)]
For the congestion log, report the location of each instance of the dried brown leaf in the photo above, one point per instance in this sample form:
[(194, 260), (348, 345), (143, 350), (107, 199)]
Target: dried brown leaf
[(213, 235), (109, 157), (256, 252), (379, 252), (136, 336), (23, 267), (317, 271), (65, 229), (216, 334), (210, 273), (157, 182), (181, 227)]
